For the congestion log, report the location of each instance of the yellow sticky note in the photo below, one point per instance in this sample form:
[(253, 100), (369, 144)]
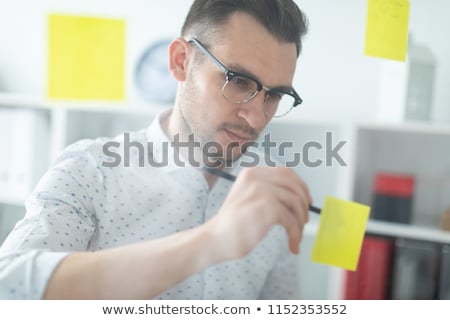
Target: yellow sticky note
[(86, 58), (341, 232), (387, 29)]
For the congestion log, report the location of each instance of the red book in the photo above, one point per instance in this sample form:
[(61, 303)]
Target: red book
[(371, 279)]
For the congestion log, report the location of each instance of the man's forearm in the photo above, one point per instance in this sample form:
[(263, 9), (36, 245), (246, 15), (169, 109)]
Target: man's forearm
[(138, 271)]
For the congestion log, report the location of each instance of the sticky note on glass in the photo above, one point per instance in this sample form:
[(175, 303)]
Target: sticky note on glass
[(86, 58), (387, 29), (341, 232)]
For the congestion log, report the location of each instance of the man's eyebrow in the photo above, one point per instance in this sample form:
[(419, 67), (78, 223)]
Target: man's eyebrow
[(244, 71)]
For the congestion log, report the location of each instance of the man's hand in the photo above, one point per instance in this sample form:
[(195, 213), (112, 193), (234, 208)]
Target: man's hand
[(259, 199)]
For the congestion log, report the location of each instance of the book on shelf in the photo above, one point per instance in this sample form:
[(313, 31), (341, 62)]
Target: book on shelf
[(416, 269), (444, 276), (371, 280), (392, 197)]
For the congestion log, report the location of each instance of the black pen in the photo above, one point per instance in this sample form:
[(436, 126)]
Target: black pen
[(230, 177)]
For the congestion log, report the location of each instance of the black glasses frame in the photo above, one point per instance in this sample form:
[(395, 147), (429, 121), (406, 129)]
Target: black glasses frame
[(229, 74)]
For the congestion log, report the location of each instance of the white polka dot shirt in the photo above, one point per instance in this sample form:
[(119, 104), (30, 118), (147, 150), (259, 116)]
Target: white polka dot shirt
[(82, 205)]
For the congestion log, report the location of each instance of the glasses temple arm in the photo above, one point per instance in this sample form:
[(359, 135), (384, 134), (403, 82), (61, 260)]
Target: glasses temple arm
[(210, 55)]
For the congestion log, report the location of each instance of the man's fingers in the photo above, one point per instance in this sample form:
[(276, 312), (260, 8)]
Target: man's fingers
[(294, 230)]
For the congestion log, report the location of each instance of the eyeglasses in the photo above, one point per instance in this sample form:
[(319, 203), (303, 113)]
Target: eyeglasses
[(240, 88)]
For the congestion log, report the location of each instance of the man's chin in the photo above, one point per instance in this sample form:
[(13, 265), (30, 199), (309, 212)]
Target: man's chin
[(225, 154), (220, 160)]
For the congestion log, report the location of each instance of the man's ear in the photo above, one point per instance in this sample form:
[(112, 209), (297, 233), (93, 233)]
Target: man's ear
[(178, 58)]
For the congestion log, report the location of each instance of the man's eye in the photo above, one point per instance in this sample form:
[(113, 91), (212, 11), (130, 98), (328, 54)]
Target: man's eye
[(274, 96), (242, 83)]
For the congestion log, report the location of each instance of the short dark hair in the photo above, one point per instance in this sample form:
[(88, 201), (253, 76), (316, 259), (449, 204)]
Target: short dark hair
[(282, 18)]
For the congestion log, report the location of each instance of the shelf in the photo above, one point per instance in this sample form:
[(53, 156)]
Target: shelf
[(38, 103), (398, 230), (408, 127)]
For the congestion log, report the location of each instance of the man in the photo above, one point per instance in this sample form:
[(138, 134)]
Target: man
[(95, 229)]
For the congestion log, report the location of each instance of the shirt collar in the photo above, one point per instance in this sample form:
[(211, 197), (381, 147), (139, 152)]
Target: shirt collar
[(161, 148)]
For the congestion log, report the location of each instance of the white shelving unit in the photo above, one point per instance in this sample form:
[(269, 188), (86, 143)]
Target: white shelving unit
[(414, 149), (56, 125), (417, 149), (420, 149)]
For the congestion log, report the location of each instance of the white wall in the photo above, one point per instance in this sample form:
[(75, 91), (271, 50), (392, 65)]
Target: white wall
[(336, 80)]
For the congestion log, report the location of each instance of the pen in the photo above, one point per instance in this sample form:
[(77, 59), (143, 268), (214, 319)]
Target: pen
[(230, 177)]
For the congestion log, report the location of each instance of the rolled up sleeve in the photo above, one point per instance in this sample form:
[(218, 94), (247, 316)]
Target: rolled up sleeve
[(59, 220)]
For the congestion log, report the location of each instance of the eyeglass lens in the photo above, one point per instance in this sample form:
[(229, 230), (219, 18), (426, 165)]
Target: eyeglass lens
[(239, 89)]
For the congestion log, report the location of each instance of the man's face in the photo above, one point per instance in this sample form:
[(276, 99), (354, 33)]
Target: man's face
[(246, 47)]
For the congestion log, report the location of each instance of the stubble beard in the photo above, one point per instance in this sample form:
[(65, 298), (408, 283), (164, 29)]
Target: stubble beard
[(210, 151)]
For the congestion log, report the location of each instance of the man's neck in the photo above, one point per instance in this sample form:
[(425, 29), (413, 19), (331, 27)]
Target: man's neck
[(171, 126)]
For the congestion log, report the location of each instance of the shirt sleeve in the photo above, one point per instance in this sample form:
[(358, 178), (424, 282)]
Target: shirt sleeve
[(59, 219)]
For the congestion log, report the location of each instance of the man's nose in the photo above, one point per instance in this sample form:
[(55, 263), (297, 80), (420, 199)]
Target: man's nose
[(253, 111)]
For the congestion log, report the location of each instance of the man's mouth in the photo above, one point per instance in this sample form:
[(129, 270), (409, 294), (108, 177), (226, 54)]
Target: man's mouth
[(237, 137)]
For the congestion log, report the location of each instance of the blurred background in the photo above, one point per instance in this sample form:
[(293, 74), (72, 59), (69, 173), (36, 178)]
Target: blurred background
[(394, 118)]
